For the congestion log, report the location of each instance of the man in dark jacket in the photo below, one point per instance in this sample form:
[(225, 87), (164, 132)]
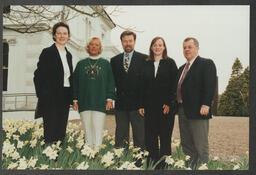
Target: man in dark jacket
[(127, 68), (196, 86)]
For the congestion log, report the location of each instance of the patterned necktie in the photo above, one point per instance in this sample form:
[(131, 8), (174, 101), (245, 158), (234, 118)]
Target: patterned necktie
[(180, 82), (126, 62)]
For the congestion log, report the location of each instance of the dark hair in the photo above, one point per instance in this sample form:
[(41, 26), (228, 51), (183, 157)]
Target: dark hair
[(194, 39), (59, 24), (128, 32), (151, 53)]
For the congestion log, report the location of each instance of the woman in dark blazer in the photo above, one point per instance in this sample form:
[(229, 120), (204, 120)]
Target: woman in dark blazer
[(157, 94), (53, 82)]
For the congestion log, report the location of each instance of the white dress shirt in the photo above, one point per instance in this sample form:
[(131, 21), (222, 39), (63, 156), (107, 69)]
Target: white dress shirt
[(63, 56)]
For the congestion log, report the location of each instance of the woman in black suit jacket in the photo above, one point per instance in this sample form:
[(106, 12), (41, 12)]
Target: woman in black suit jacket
[(157, 96), (53, 82)]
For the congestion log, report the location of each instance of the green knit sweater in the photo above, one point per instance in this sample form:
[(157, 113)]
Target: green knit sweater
[(93, 84)]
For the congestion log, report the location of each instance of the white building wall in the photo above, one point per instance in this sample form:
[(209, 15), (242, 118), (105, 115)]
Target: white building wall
[(24, 49)]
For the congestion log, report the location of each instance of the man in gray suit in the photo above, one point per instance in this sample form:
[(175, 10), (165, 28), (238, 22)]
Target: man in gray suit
[(127, 68), (196, 83)]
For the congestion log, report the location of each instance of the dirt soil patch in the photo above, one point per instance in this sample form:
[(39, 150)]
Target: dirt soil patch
[(227, 135)]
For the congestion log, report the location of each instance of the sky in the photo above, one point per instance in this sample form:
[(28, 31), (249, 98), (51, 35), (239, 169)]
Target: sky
[(222, 32)]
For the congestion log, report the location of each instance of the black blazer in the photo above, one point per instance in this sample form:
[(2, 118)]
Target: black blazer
[(159, 90), (127, 84), (49, 76), (198, 87)]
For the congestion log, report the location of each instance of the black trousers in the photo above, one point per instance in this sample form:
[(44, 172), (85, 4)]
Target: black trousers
[(123, 120), (158, 126), (55, 116)]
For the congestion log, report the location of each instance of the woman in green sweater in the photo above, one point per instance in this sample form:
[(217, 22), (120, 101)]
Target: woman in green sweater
[(93, 92)]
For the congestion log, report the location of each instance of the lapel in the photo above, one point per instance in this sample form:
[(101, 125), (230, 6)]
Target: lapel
[(120, 62), (133, 62), (69, 59), (59, 65), (180, 71), (192, 68)]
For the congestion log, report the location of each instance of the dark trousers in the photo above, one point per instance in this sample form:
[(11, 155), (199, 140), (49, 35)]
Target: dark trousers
[(194, 138), (56, 116), (158, 126), (123, 120)]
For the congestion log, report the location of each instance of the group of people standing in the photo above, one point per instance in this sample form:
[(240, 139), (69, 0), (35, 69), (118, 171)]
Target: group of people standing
[(148, 91)]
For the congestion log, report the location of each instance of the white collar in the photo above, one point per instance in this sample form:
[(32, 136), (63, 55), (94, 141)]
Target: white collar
[(94, 57)]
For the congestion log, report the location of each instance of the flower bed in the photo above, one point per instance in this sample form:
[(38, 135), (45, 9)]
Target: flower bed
[(24, 148)]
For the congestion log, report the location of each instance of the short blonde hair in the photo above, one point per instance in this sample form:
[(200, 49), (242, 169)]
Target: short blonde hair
[(87, 45)]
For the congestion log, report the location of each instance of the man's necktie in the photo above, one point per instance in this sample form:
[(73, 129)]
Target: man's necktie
[(180, 82), (126, 62)]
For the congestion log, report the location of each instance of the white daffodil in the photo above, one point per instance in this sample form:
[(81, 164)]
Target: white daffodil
[(103, 146), (132, 166), (109, 137), (58, 144), (136, 149), (139, 155), (236, 167), (12, 165), (112, 142), (33, 143), (118, 152), (8, 135), (44, 167), (8, 148), (175, 143), (215, 158), (146, 153), (15, 155), (32, 162), (12, 130), (86, 150), (187, 157), (22, 130), (107, 159), (124, 166), (82, 166), (247, 153), (179, 164), (20, 144), (53, 155), (188, 168), (47, 151), (42, 143), (131, 146), (41, 132), (70, 139), (69, 149), (203, 167), (94, 152), (169, 160), (80, 143), (22, 164), (15, 137)]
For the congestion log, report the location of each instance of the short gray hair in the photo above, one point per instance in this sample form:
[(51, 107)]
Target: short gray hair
[(194, 39)]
